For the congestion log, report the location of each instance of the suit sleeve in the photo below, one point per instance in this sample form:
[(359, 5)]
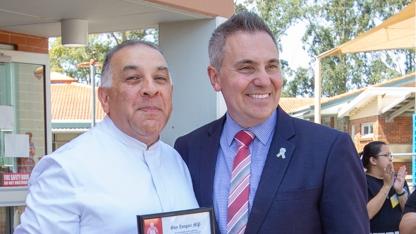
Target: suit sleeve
[(50, 204), (181, 148), (344, 197)]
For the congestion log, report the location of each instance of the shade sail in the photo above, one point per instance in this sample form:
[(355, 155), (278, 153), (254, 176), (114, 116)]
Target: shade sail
[(397, 32)]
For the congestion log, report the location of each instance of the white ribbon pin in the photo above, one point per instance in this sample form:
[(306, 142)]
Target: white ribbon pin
[(281, 153)]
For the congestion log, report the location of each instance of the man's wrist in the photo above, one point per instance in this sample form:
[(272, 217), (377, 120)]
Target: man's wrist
[(402, 193)]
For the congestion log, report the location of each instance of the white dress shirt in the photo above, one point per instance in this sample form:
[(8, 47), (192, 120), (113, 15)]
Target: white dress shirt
[(100, 181)]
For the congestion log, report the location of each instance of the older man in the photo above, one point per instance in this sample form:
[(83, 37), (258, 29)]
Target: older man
[(100, 181), (262, 170)]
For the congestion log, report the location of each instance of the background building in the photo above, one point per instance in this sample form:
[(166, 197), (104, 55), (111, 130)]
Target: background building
[(380, 112), (25, 92)]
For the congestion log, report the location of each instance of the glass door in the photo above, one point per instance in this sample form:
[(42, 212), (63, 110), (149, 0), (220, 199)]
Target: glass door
[(22, 97), (25, 133)]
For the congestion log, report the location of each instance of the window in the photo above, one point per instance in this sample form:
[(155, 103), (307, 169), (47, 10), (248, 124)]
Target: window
[(367, 130)]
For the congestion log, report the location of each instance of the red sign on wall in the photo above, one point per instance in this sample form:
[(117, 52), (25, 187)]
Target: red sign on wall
[(14, 179)]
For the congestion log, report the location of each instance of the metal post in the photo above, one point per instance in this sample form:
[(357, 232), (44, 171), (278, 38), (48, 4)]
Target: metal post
[(414, 149), (92, 78), (317, 92), (414, 146)]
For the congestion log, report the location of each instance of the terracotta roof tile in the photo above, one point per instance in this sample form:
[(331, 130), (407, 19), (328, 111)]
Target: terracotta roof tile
[(73, 102), (57, 77), (289, 104)]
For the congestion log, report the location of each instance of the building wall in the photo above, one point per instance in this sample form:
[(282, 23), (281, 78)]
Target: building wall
[(212, 7), (360, 141), (61, 138), (366, 111), (195, 103), (398, 131), (398, 134), (24, 42)]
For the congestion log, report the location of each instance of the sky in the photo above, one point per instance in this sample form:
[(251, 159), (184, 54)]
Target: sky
[(291, 43), (292, 50)]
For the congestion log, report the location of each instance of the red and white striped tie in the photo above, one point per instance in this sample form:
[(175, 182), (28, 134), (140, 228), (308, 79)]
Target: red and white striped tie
[(240, 185)]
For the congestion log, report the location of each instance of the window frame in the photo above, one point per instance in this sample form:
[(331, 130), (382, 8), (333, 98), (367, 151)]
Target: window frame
[(367, 125)]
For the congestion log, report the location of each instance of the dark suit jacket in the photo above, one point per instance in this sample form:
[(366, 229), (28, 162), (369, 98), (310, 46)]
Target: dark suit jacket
[(319, 187)]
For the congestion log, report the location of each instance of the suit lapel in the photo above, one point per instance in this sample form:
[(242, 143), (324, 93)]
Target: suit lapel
[(277, 161), (208, 154)]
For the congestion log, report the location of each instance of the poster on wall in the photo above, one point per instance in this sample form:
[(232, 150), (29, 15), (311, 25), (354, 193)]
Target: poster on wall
[(6, 118), (16, 145)]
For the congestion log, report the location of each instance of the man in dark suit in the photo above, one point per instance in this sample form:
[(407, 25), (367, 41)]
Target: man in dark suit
[(262, 170)]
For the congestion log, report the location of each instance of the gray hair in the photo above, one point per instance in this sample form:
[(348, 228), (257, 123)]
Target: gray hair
[(241, 22), (106, 74)]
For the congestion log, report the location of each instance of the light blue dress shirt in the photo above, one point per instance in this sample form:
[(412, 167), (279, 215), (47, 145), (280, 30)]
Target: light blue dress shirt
[(228, 149)]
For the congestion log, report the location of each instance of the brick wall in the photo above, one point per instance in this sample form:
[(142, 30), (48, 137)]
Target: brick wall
[(408, 165), (24, 42), (359, 141), (398, 131)]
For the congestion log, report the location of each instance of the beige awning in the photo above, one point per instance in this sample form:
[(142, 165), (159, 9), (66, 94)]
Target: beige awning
[(397, 32)]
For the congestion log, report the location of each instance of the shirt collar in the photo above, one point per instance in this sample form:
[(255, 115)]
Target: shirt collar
[(263, 131), (126, 139)]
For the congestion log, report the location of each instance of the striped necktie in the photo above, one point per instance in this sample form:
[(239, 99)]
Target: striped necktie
[(237, 216)]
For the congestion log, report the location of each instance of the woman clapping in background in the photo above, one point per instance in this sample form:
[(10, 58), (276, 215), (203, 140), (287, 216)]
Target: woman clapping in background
[(387, 192)]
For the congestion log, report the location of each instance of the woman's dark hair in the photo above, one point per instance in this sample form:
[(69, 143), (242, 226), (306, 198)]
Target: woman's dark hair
[(372, 149)]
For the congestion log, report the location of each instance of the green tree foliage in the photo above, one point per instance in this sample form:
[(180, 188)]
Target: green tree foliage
[(280, 15), (67, 60), (300, 84), (239, 7), (329, 24)]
